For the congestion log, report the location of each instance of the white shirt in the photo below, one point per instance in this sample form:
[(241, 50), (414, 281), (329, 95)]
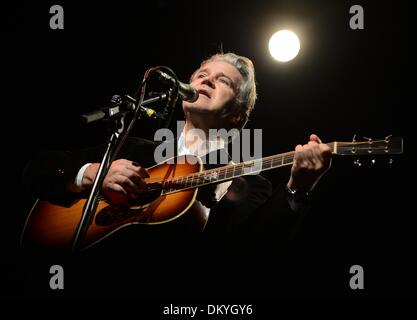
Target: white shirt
[(204, 148)]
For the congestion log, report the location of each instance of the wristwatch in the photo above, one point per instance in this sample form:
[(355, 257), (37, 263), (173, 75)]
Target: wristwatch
[(297, 195)]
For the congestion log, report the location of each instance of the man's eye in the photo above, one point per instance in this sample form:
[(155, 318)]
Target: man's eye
[(225, 81), (201, 75)]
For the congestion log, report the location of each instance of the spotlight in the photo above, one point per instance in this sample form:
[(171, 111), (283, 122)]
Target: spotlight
[(284, 45)]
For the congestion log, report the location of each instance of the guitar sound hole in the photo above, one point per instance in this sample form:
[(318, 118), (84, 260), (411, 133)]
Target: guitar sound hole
[(151, 192)]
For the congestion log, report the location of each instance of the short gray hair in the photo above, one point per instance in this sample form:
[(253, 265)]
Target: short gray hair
[(246, 91)]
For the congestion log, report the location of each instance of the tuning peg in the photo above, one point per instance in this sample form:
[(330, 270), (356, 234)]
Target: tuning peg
[(373, 161), (390, 161), (357, 163), (354, 138), (387, 137), (369, 139)]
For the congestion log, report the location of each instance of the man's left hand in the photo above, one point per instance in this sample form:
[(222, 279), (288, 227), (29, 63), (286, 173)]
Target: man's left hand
[(311, 161)]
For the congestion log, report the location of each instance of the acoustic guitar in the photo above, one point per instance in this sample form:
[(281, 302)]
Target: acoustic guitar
[(169, 196)]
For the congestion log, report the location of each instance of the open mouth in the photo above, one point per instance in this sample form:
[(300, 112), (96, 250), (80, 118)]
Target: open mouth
[(204, 92)]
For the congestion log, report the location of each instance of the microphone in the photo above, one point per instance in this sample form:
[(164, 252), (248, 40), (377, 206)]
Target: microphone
[(185, 91)]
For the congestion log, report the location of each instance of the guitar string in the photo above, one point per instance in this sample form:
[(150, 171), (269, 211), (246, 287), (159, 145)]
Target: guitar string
[(284, 156), (267, 162), (201, 177)]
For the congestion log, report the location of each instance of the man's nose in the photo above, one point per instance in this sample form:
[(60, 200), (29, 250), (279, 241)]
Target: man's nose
[(208, 81)]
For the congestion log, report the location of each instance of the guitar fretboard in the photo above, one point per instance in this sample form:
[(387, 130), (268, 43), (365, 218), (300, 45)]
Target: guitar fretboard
[(231, 171)]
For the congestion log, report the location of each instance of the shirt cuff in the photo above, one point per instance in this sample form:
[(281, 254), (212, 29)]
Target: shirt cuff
[(79, 177)]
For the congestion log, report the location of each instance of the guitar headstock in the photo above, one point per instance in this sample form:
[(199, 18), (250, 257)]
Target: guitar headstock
[(369, 147)]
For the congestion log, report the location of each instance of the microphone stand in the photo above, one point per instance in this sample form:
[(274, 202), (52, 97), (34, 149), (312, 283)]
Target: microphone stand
[(169, 107), (126, 105)]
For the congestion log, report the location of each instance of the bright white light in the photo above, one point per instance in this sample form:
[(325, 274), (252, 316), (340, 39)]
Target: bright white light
[(284, 45)]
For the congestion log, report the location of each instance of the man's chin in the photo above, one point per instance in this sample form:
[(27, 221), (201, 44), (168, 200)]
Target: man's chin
[(196, 108)]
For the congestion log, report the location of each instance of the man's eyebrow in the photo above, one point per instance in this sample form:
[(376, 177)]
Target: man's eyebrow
[(224, 75), (221, 74), (201, 70), (197, 72)]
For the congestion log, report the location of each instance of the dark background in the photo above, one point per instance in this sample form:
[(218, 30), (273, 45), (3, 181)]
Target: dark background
[(343, 82)]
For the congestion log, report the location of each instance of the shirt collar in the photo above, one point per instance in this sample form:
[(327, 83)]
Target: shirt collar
[(214, 143)]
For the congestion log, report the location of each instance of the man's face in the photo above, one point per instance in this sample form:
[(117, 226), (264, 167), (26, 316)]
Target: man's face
[(217, 84)]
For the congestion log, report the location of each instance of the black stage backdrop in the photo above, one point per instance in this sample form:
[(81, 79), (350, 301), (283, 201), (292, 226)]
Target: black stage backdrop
[(343, 82)]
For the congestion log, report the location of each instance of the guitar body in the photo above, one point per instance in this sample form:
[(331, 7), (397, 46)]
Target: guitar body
[(53, 226)]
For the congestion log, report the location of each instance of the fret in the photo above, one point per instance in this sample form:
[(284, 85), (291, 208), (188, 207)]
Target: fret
[(180, 183), (197, 179), (238, 170), (194, 180), (287, 160), (257, 167), (214, 176), (206, 177), (276, 161), (247, 168), (200, 178), (266, 164), (222, 174), (229, 172)]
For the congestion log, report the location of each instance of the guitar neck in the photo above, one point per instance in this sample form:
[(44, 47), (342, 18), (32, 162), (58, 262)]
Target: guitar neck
[(231, 171)]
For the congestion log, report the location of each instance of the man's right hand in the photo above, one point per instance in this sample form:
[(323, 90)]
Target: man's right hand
[(124, 177)]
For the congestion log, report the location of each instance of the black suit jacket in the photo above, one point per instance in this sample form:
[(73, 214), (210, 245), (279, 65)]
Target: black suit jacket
[(249, 219)]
